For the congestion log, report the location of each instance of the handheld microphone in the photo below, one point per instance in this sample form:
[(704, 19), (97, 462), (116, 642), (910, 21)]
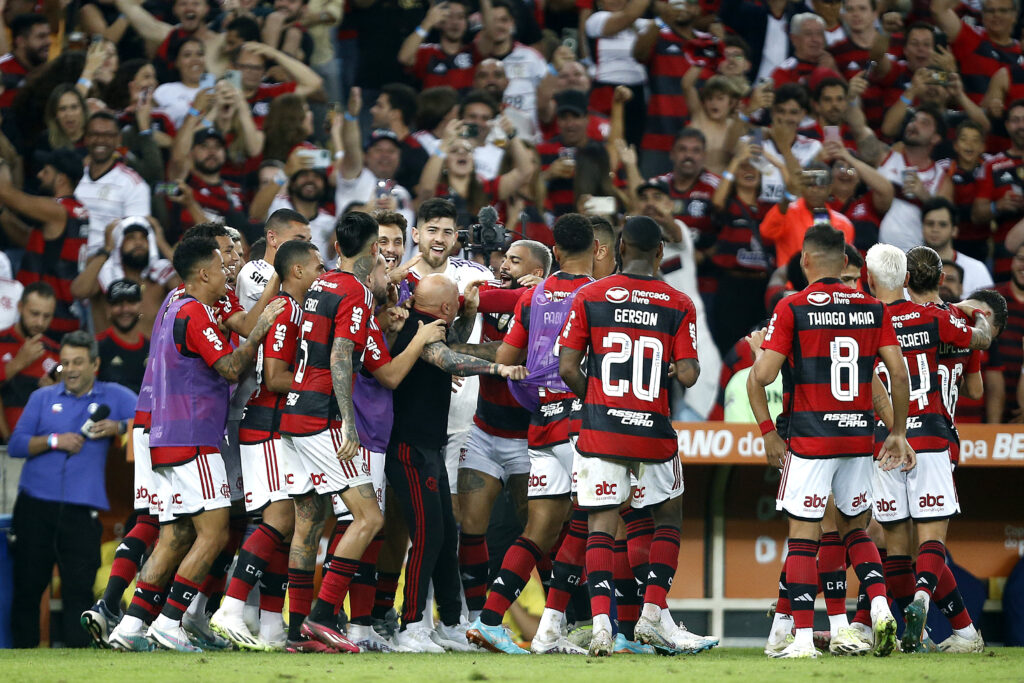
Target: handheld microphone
[(102, 412)]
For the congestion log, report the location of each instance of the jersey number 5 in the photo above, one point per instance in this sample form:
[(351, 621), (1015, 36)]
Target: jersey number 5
[(300, 367)]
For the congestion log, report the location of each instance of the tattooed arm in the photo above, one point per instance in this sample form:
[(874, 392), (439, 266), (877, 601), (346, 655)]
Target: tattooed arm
[(487, 351), (232, 366), (460, 364), (461, 329), (341, 378)]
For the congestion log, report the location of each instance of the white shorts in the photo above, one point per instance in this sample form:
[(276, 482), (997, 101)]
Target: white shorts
[(455, 452), (199, 485), (314, 460), (605, 483), (229, 450), (377, 479), (495, 456), (552, 473), (806, 483), (926, 492), (146, 499), (267, 474)]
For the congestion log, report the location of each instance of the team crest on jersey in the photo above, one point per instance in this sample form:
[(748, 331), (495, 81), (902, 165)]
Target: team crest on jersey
[(819, 298), (617, 295)]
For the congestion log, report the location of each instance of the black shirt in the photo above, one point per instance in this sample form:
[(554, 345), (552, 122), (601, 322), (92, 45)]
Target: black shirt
[(121, 362), (421, 401)]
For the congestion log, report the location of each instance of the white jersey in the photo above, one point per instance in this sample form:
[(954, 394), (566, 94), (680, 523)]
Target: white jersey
[(251, 281), (772, 186), (175, 99), (976, 275), (10, 295), (321, 228), (615, 63), (117, 194), (362, 189), (525, 69), (901, 225)]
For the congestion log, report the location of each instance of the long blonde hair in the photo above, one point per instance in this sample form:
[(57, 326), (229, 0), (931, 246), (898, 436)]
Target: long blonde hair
[(56, 134)]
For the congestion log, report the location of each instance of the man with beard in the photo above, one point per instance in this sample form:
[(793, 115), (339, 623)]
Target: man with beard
[(205, 196), (130, 252), (31, 36), (449, 62), (284, 225), (951, 289), (671, 47), (52, 248), (391, 238), (916, 178), (109, 189), (165, 38), (938, 230), (490, 77), (395, 110), (306, 196), (123, 347), (28, 355)]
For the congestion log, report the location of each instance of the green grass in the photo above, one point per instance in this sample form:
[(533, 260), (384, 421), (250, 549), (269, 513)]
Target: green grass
[(997, 664)]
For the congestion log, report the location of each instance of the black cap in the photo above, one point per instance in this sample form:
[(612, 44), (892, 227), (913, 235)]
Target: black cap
[(204, 134), (123, 290), (655, 184), (134, 224), (642, 233), (380, 135), (572, 101), (64, 160)]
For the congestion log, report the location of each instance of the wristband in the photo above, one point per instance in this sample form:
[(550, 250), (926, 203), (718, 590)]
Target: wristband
[(766, 427), (146, 131), (421, 32), (122, 427), (441, 154), (52, 441), (349, 117), (790, 197), (743, 117), (728, 175), (85, 82), (552, 70), (906, 100), (207, 123), (660, 23), (339, 155), (192, 111)]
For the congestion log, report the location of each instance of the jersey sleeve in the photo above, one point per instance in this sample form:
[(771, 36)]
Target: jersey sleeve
[(576, 330), (376, 354), (953, 330), (203, 337), (229, 305), (282, 339), (888, 337), (684, 345), (779, 337), (352, 318), (518, 334), (497, 300), (974, 361)]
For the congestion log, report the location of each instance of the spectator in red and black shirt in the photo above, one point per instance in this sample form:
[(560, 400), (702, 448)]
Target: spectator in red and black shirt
[(252, 63), (27, 355), (123, 347), (395, 110), (965, 171), (52, 249), (451, 61), (30, 34), (830, 102), (558, 157), (859, 192), (168, 39), (855, 53), (980, 52), (1000, 194), (204, 194), (807, 33)]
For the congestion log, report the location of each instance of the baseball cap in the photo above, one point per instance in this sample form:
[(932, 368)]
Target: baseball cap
[(380, 135), (205, 134), (123, 290), (642, 232), (571, 101), (64, 160), (654, 184)]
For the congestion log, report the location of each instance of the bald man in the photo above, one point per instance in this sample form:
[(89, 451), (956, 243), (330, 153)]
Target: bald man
[(415, 468)]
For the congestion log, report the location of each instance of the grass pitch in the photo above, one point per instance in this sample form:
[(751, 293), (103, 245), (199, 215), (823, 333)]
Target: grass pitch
[(997, 664)]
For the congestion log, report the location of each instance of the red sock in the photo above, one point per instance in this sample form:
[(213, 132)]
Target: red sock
[(782, 605), (802, 580), (832, 572), (275, 580), (931, 558), (253, 559), (866, 562), (364, 584), (146, 601), (600, 563), (473, 559), (336, 580), (662, 566), (899, 578), (141, 538), (951, 602), (568, 567), (300, 599), (519, 561)]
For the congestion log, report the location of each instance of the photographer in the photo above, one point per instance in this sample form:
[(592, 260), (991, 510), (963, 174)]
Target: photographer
[(62, 486)]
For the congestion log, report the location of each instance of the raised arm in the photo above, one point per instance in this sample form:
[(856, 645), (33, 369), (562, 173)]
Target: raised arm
[(307, 81), (145, 24), (232, 366)]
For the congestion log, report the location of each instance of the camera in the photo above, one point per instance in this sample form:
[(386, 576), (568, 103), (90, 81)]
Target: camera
[(485, 235)]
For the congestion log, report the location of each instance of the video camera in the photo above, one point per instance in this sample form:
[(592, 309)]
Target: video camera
[(487, 234)]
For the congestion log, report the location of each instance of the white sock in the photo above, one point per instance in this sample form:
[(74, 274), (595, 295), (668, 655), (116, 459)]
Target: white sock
[(602, 623), (782, 625), (968, 632), (836, 622), (474, 615), (232, 607), (271, 625), (804, 636), (923, 595), (165, 623), (198, 606), (131, 625), (550, 621), (651, 612), (879, 605)]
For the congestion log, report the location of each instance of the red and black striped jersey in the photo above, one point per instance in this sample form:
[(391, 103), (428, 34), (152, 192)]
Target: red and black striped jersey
[(830, 336), (260, 100), (852, 59), (549, 424), (465, 215), (694, 207), (56, 261), (337, 306), (955, 364), (262, 414), (1006, 353), (979, 58), (670, 59), (561, 193), (632, 327), (12, 77), (739, 244), (14, 391), (221, 201), (497, 412), (815, 131), (434, 67), (793, 70), (598, 125), (1001, 174), (862, 213), (920, 330), (965, 191)]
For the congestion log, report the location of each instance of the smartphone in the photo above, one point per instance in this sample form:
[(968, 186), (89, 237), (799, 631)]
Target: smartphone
[(233, 77), (320, 158), (600, 206), (470, 130), (757, 137), (938, 77), (832, 134), (571, 38), (168, 189), (144, 96)]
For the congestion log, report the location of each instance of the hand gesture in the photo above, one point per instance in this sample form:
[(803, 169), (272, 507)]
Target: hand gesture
[(892, 22), (355, 100), (349, 444), (834, 149), (435, 15), (627, 153), (267, 318), (624, 94), (434, 332), (755, 339), (530, 280), (204, 101), (70, 442), (471, 298), (31, 351), (399, 272), (858, 84), (896, 452), (944, 59), (562, 168)]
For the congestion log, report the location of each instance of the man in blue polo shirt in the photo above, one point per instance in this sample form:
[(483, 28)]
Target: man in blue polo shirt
[(62, 487)]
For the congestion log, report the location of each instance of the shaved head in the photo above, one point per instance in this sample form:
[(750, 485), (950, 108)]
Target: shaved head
[(437, 295)]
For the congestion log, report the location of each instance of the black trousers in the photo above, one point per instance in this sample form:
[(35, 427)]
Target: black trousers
[(419, 481), (48, 533)]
